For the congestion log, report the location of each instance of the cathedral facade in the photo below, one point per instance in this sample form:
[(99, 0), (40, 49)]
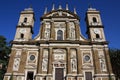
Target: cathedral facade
[(59, 51)]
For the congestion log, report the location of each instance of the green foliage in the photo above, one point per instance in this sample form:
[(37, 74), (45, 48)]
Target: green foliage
[(115, 61), (4, 55), (11, 77)]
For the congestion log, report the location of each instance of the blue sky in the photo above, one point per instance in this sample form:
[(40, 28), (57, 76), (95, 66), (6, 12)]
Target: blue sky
[(110, 14)]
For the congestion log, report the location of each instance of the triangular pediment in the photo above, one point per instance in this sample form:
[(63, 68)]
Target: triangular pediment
[(61, 51), (60, 13)]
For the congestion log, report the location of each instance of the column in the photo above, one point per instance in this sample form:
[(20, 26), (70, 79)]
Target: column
[(52, 31), (50, 60), (77, 30)]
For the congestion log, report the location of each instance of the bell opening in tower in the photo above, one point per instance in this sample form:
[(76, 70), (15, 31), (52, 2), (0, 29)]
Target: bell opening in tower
[(30, 75), (22, 36), (25, 20), (97, 36), (94, 20)]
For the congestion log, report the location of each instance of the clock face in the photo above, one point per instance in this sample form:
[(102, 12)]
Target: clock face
[(96, 31), (22, 30)]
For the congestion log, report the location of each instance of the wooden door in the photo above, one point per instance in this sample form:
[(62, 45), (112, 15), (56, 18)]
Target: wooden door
[(59, 74), (88, 75)]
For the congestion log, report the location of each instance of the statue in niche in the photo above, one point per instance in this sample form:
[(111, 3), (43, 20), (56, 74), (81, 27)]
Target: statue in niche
[(47, 33), (45, 60), (102, 63), (44, 64), (16, 64), (74, 64), (72, 32), (73, 60)]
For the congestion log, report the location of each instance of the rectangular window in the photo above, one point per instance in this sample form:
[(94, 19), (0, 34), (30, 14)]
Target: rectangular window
[(59, 35), (88, 75)]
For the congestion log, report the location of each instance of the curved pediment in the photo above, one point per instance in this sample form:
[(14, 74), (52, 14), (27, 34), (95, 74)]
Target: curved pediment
[(60, 13), (61, 51)]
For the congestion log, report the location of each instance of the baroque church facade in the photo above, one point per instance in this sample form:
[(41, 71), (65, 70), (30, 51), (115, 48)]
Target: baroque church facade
[(59, 51)]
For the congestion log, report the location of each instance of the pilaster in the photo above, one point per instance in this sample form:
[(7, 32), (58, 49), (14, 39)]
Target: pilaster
[(42, 30), (95, 61), (23, 61), (68, 61), (52, 30), (67, 30), (11, 61), (40, 60), (79, 61), (108, 63), (77, 30), (50, 60)]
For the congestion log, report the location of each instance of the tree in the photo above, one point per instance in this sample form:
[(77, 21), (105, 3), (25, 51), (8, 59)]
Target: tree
[(4, 56), (115, 61), (11, 77)]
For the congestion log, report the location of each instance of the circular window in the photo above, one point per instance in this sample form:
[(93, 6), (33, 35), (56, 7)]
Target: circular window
[(87, 58), (32, 57)]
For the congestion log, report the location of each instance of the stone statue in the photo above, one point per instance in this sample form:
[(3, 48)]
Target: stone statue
[(44, 64), (16, 64), (74, 64), (47, 33), (72, 33), (102, 63)]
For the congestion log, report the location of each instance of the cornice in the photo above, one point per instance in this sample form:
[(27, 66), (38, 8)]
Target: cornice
[(55, 41)]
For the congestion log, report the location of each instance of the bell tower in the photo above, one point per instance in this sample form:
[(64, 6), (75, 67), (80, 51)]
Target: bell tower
[(94, 25), (25, 24)]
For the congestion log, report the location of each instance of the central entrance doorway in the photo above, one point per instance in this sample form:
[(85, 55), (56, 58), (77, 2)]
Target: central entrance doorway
[(30, 75), (59, 74), (88, 75)]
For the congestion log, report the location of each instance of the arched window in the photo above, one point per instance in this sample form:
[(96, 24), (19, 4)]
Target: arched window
[(59, 35), (22, 36), (94, 19), (97, 36), (25, 20)]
